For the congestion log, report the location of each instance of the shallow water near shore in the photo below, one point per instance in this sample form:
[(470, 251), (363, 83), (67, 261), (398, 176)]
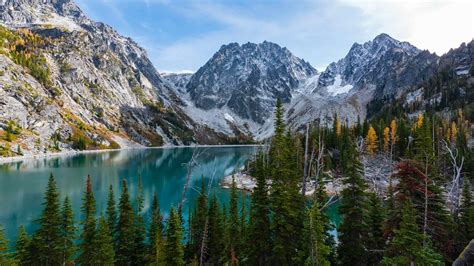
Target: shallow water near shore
[(22, 184)]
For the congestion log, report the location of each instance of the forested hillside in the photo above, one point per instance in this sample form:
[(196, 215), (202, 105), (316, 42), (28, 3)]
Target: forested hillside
[(405, 199)]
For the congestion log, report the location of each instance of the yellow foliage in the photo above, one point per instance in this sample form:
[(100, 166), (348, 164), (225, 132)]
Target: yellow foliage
[(453, 132), (393, 132), (419, 121), (386, 138), (371, 141)]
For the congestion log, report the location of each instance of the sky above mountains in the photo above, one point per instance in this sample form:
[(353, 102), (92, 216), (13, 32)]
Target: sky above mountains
[(182, 35)]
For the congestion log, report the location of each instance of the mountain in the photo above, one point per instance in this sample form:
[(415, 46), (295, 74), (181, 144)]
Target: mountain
[(381, 68), (68, 83), (449, 87), (247, 79), (67, 79)]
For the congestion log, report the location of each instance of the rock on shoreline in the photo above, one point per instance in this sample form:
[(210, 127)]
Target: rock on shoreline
[(244, 181)]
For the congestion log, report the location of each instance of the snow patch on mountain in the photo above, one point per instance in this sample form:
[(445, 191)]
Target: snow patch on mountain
[(337, 88)]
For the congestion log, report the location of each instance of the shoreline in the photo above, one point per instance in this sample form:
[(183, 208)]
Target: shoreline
[(4, 160)]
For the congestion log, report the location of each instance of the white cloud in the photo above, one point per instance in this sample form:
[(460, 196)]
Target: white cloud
[(433, 25), (319, 31)]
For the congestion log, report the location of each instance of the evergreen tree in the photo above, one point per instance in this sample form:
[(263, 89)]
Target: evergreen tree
[(431, 213), (318, 250), (111, 213), (125, 229), (243, 224), (375, 239), (466, 214), (47, 240), (104, 244), (174, 253), (156, 233), (88, 233), (259, 231), (287, 203), (4, 253), (407, 245), (198, 222), (68, 232), (215, 246), (233, 226), (21, 247), (140, 228), (353, 208), (321, 197)]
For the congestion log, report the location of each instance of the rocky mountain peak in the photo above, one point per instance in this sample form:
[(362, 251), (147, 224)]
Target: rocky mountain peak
[(248, 78), (24, 13), (363, 60)]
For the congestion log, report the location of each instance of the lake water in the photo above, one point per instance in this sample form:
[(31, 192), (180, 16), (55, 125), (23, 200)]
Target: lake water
[(22, 184)]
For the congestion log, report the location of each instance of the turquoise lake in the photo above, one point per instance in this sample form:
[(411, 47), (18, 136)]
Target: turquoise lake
[(163, 170)]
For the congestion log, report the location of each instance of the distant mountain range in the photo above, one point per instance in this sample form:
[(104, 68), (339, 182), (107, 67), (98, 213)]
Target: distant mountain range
[(83, 81)]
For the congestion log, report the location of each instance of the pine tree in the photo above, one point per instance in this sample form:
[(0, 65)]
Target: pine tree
[(353, 208), (47, 240), (216, 245), (375, 239), (287, 203), (371, 141), (319, 251), (140, 228), (4, 253), (243, 226), (174, 236), (111, 213), (466, 214), (156, 233), (259, 231), (125, 229), (199, 221), (88, 226), (321, 197), (233, 226), (407, 245), (68, 232), (431, 213), (21, 247), (104, 244)]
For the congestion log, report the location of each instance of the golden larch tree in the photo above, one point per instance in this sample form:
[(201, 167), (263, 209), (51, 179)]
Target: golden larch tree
[(453, 132), (338, 126), (419, 121), (371, 141), (393, 132)]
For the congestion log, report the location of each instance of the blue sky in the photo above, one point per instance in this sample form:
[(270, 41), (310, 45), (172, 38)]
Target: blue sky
[(182, 35)]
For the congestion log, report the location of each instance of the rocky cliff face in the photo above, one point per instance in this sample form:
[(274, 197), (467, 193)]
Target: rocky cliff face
[(98, 87), (378, 69), (449, 85), (247, 79), (385, 63), (68, 82)]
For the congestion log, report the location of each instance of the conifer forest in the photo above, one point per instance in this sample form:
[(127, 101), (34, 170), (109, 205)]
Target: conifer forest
[(424, 215)]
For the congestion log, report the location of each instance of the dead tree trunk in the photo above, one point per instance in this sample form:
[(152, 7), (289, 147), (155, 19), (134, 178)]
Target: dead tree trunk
[(453, 196), (305, 170)]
